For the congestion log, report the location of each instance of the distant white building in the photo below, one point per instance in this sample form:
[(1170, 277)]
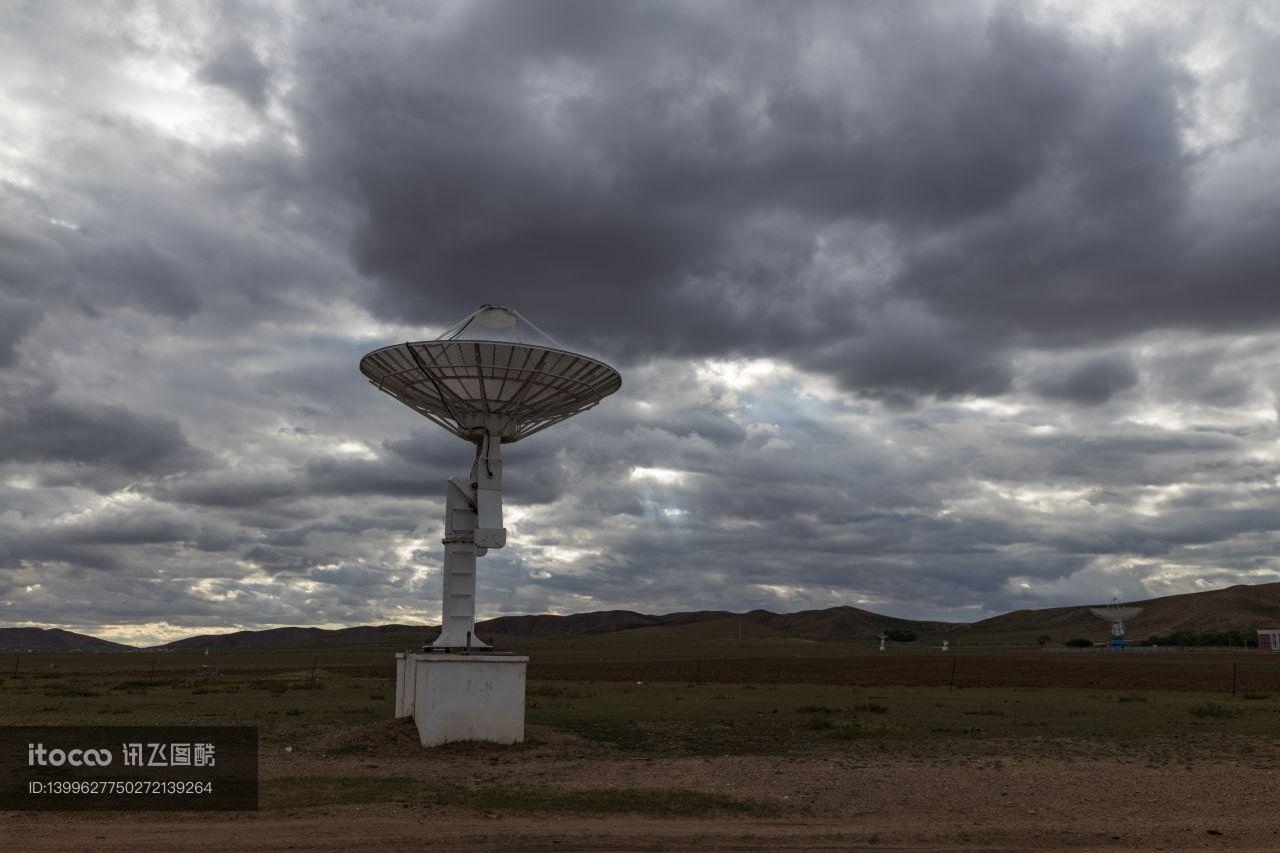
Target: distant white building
[(1269, 639)]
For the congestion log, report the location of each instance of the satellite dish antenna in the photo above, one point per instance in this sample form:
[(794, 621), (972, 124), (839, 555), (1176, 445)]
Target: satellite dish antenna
[(883, 637), (490, 392), (1117, 614), (946, 644)]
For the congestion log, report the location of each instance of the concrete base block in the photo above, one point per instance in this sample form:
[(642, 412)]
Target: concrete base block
[(455, 697), (405, 672)]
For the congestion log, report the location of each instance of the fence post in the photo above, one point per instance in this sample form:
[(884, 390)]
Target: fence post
[(952, 684), (1233, 677)]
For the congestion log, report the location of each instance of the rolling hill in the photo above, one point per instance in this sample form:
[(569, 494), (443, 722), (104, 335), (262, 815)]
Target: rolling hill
[(400, 636), (1240, 607), (1245, 607), (54, 640)]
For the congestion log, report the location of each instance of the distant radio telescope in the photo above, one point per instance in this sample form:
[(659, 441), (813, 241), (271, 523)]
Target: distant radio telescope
[(1117, 615), (485, 383)]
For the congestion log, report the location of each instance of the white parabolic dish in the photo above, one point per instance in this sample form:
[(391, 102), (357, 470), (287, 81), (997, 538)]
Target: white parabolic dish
[(478, 387), (1116, 614)]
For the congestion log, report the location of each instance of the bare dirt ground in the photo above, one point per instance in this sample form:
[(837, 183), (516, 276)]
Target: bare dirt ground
[(988, 802)]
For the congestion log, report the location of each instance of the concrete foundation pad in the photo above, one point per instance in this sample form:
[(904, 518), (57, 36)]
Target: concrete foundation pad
[(456, 697)]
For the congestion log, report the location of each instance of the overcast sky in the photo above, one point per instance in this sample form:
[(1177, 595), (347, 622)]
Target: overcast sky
[(938, 309)]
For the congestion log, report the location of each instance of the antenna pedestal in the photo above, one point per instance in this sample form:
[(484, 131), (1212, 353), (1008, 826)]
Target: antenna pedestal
[(458, 604)]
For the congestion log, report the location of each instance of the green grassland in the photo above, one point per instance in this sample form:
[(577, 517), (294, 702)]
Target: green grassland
[(972, 705), (844, 699), (674, 718)]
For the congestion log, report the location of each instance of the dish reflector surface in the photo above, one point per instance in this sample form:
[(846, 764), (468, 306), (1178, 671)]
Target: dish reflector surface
[(1114, 613), (474, 387)]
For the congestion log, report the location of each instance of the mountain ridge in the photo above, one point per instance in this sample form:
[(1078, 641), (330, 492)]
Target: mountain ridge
[(1242, 606), (21, 639)]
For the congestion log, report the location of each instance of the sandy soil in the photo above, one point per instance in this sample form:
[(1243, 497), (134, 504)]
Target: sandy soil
[(995, 802)]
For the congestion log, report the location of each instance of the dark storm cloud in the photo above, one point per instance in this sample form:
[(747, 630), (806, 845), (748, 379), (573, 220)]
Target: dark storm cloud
[(1215, 374), (1028, 182), (25, 255), (384, 477), (100, 443), (16, 318), (237, 68), (141, 267), (229, 489), (1091, 381), (1128, 457), (1174, 529), (28, 264), (904, 356)]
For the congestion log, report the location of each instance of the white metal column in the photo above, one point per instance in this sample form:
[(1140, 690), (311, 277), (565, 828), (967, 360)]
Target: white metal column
[(458, 605)]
